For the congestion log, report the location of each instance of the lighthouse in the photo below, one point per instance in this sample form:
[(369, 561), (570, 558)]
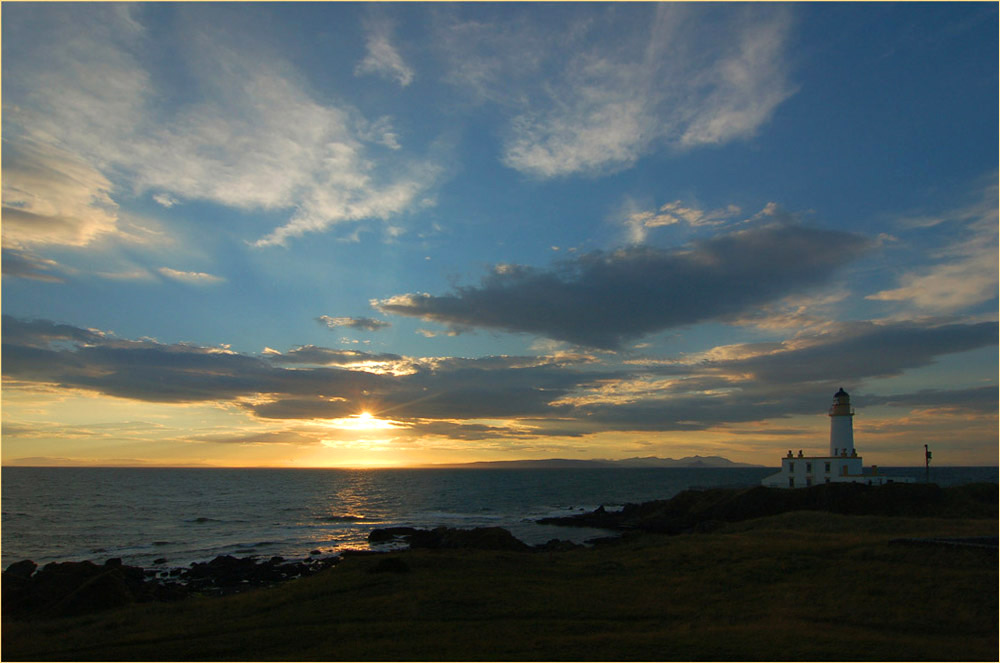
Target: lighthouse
[(842, 465), (842, 425)]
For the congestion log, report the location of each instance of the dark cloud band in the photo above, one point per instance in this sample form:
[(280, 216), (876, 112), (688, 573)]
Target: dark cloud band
[(554, 397), (603, 300)]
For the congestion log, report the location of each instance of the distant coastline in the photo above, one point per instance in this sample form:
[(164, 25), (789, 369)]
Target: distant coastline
[(687, 462)]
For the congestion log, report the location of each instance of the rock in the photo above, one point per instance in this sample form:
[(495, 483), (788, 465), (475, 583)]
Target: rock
[(316, 553), (479, 538), (703, 510), (160, 560), (106, 590), (389, 533), (71, 588), (17, 586), (482, 538), (22, 569)]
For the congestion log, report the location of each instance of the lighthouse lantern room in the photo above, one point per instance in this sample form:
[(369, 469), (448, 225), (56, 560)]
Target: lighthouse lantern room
[(842, 465)]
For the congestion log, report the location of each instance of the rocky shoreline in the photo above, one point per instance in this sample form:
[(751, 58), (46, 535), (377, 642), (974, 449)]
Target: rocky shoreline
[(73, 588), (61, 589)]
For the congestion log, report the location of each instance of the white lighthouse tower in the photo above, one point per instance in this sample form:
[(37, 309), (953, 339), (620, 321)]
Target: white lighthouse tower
[(841, 425)]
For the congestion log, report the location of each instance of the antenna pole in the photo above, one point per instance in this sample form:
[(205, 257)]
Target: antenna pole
[(927, 464)]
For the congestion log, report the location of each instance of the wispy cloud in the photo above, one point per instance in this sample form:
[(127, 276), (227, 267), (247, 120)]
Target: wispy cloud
[(684, 76), (382, 58), (193, 278), (638, 222), (249, 135), (365, 324), (965, 273), (53, 197)]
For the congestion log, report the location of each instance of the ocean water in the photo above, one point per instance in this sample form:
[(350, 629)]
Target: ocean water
[(186, 515)]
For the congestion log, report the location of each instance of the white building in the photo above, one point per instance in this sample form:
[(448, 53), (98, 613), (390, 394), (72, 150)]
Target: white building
[(842, 465)]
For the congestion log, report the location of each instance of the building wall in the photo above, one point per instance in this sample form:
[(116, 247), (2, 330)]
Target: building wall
[(802, 471)]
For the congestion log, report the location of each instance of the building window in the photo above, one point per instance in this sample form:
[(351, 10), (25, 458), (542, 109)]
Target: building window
[(791, 482), (791, 467), (809, 481), (827, 480), (827, 469), (809, 467)]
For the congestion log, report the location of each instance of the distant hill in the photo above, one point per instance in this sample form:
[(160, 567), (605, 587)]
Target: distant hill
[(568, 463)]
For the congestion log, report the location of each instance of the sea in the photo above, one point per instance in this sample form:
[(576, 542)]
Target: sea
[(160, 518)]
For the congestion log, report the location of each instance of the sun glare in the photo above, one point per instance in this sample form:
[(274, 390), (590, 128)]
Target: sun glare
[(363, 421)]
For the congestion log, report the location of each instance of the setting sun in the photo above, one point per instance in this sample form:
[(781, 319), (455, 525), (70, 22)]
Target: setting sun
[(364, 421)]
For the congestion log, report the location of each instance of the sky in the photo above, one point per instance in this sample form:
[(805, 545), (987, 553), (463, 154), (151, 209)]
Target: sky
[(375, 235)]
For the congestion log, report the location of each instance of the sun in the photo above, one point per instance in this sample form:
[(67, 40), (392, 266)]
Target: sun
[(363, 421)]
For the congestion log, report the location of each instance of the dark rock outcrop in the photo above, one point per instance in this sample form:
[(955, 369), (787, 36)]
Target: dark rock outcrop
[(74, 588), (704, 510), (71, 588), (386, 534), (478, 538)]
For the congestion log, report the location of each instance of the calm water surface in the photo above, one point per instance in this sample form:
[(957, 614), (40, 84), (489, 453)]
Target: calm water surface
[(186, 515)]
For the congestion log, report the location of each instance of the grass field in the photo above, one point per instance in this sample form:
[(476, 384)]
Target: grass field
[(798, 586)]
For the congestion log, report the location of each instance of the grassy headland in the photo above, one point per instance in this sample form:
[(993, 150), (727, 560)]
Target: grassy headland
[(800, 585)]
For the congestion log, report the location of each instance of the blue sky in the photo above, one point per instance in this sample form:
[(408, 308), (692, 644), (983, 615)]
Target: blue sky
[(499, 230)]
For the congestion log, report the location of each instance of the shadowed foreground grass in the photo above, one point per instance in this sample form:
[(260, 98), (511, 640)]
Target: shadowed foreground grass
[(798, 586)]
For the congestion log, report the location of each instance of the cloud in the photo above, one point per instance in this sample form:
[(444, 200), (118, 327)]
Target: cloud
[(606, 299), (775, 381), (366, 324), (382, 58), (674, 75), (41, 333), (858, 350), (164, 199), (291, 437), (25, 265), (965, 273), (311, 354), (192, 278), (245, 133), (482, 398), (53, 197), (974, 399), (638, 222)]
